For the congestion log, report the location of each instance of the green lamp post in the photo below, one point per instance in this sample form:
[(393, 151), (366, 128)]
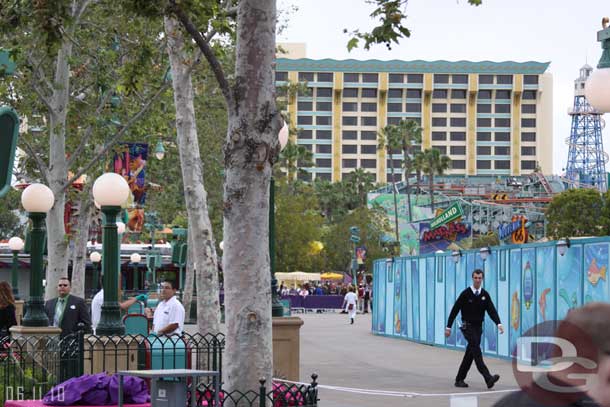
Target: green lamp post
[(37, 200), (110, 190), (16, 245), (597, 87), (153, 255)]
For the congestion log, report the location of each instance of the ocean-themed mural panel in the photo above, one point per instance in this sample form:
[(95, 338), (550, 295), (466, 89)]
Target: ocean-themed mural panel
[(423, 295), (415, 296), (545, 284), (430, 297), (450, 297), (528, 293), (460, 285), (514, 288), (596, 272), (403, 295), (490, 332), (397, 296), (569, 280), (439, 302)]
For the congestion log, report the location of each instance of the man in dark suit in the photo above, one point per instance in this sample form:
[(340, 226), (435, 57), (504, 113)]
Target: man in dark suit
[(473, 302), (67, 311)]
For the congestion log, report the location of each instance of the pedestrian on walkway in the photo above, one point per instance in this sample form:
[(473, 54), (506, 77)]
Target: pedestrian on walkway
[(7, 309), (473, 302), (349, 303), (66, 311)]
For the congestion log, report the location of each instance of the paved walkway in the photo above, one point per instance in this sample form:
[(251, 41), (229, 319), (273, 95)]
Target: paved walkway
[(350, 356)]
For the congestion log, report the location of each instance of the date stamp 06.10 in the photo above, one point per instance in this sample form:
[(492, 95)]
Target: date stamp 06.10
[(21, 393)]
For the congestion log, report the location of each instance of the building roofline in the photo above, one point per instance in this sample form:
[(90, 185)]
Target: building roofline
[(416, 66)]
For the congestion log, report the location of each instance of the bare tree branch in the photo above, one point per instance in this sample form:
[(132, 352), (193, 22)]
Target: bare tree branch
[(43, 98), (116, 136), (206, 50), (44, 170)]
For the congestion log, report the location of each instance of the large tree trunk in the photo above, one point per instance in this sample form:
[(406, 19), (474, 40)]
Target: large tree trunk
[(58, 171), (250, 150), (189, 275), (208, 305), (80, 237)]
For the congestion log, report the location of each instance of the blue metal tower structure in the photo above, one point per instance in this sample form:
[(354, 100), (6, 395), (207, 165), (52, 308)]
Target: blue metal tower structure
[(586, 166)]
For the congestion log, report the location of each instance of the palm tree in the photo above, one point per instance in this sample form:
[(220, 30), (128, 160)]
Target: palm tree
[(360, 182), (418, 165), (434, 164), (294, 158)]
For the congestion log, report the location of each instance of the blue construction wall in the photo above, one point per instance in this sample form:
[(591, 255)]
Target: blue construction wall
[(529, 284)]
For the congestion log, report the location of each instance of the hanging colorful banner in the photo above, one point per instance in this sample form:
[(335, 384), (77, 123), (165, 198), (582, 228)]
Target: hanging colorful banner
[(431, 240), (130, 161)]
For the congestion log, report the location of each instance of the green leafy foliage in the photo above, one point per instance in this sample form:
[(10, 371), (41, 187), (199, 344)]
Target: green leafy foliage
[(10, 222), (578, 212)]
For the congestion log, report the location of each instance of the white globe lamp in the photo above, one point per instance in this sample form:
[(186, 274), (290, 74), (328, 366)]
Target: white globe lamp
[(110, 189), (37, 198), (15, 244)]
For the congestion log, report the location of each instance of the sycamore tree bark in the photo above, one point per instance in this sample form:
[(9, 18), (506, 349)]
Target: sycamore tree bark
[(200, 227), (189, 275), (80, 237)]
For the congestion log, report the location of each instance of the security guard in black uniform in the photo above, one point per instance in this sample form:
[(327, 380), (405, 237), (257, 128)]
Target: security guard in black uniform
[(472, 303)]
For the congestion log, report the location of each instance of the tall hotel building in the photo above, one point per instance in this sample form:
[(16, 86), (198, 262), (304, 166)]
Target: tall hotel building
[(490, 118)]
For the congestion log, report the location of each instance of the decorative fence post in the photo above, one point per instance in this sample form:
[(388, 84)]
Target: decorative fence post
[(262, 393)]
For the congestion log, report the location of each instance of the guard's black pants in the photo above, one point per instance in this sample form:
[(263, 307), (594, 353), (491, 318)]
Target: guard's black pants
[(472, 334)]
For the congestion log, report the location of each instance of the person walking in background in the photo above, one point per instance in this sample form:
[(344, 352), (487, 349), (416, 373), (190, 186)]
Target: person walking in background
[(67, 311), (7, 309), (350, 302), (473, 302), (168, 318), (98, 300)]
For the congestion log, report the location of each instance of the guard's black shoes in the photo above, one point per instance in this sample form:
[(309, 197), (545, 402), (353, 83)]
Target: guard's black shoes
[(492, 380), (461, 383)]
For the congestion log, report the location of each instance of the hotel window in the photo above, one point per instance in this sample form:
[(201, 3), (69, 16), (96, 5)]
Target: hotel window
[(325, 77), (304, 120), (483, 150), (530, 79), (484, 94), (528, 136), (323, 162), (457, 150), (350, 107), (439, 107), (324, 106), (528, 165), (502, 122), (502, 150), (502, 108), (457, 136), (528, 122), (528, 150), (394, 107), (368, 149), (349, 149), (441, 149), (503, 94), (304, 134), (441, 78), (483, 122), (396, 78), (306, 76), (394, 164), (323, 148), (415, 78), (349, 120), (395, 93), (484, 108), (502, 165), (368, 163), (324, 92), (458, 164), (368, 107), (458, 108), (350, 92), (531, 108), (459, 79), (307, 147), (307, 106), (414, 93), (413, 107), (439, 93), (324, 134), (504, 79), (368, 121), (351, 77), (439, 135), (458, 94), (502, 136), (486, 79), (370, 77), (483, 165), (458, 122), (349, 135), (349, 163), (483, 136), (323, 120), (281, 76), (529, 95), (369, 93), (439, 121), (394, 120), (368, 135)]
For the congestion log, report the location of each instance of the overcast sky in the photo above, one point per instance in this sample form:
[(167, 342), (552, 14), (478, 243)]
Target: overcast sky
[(558, 31)]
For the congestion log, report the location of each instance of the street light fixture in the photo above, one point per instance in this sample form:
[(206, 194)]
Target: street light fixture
[(95, 258), (277, 310), (455, 255), (16, 245), (135, 260), (111, 191), (37, 200), (484, 252), (563, 245), (597, 87), (159, 151)]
